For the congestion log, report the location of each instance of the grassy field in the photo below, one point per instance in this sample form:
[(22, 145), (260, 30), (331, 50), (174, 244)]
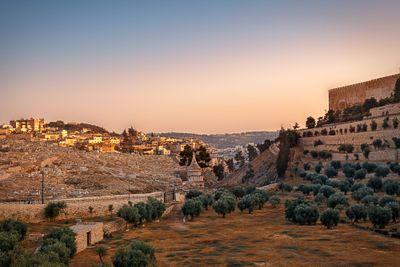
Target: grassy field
[(263, 238)]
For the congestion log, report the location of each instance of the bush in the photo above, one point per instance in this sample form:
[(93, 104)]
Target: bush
[(56, 249), (349, 172), (136, 254), (395, 207), (249, 202), (287, 188), (369, 167), (307, 166), (305, 189), (374, 125), (391, 187), (336, 164), (356, 213), (382, 171), (385, 200), (336, 200), (290, 206), (330, 218), (355, 187), (333, 182), (344, 186), (327, 190), (318, 168), (192, 208), (360, 174), (15, 226), (63, 235), (129, 214), (370, 200), (331, 172), (239, 191), (319, 198), (375, 183), (377, 143), (143, 210), (361, 193), (192, 194), (275, 201), (158, 207), (8, 241), (379, 216), (53, 209), (306, 214), (224, 205)]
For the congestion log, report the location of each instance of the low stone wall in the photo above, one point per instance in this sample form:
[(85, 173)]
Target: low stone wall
[(118, 225), (76, 207)]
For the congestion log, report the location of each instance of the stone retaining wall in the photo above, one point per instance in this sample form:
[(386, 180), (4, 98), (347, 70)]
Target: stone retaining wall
[(76, 207)]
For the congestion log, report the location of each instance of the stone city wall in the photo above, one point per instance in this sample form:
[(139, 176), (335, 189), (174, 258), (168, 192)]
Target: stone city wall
[(76, 207), (355, 94)]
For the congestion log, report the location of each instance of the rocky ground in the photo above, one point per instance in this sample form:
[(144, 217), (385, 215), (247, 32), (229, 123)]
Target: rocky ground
[(75, 173)]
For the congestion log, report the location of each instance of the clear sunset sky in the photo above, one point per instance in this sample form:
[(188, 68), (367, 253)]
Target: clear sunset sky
[(193, 66)]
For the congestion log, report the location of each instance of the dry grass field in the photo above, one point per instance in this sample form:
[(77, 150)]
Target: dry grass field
[(263, 238)]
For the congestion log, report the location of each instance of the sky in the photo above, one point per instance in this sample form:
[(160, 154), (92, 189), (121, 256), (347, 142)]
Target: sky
[(189, 66)]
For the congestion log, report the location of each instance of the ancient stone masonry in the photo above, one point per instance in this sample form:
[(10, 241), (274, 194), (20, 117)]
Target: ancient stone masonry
[(355, 94), (76, 207)]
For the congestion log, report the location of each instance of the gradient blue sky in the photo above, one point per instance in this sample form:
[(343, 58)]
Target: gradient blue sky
[(192, 66)]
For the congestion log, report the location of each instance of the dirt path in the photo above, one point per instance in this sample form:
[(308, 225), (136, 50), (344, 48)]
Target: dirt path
[(259, 239)]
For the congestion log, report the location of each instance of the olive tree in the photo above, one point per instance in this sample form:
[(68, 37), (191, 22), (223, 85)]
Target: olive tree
[(379, 216), (330, 218), (357, 212)]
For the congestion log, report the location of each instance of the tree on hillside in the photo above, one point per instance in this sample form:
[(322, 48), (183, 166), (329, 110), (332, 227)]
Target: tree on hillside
[(219, 171), (202, 156), (287, 139), (310, 123), (136, 254), (186, 156), (231, 165), (397, 91), (264, 146), (239, 158), (252, 151)]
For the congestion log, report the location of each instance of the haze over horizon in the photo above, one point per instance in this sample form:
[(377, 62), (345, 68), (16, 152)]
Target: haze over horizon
[(185, 66)]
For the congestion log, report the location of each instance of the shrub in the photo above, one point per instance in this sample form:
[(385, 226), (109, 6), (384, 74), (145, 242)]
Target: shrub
[(305, 189), (395, 123), (158, 207), (318, 168), (192, 194), (391, 187), (375, 183), (357, 212), (336, 200), (396, 142), (377, 143), (262, 197), (319, 198), (382, 171), (349, 172), (249, 202), (136, 254), (239, 191), (224, 206), (366, 152), (355, 187), (332, 182), (287, 187), (374, 125), (290, 206), (275, 201), (192, 208), (360, 174), (395, 207), (331, 172), (143, 210), (307, 166), (330, 218), (129, 214), (223, 191), (385, 200), (53, 209), (63, 235), (318, 142), (306, 214), (370, 200), (15, 226), (361, 193), (369, 167), (327, 190), (8, 241), (57, 250), (336, 164), (344, 186), (379, 216)]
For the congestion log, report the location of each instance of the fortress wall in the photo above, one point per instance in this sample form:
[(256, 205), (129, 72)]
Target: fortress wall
[(355, 94), (76, 208)]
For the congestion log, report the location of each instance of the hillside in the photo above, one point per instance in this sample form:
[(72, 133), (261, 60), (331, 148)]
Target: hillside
[(76, 173), (264, 170)]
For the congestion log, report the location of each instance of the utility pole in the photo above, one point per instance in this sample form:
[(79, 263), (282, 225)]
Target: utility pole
[(42, 186)]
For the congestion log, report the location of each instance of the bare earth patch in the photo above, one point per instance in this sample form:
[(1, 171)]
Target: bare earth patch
[(263, 238)]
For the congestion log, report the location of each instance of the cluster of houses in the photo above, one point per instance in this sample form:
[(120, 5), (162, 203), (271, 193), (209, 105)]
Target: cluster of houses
[(131, 141)]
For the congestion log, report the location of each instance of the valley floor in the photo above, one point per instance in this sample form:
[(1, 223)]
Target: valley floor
[(263, 238)]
